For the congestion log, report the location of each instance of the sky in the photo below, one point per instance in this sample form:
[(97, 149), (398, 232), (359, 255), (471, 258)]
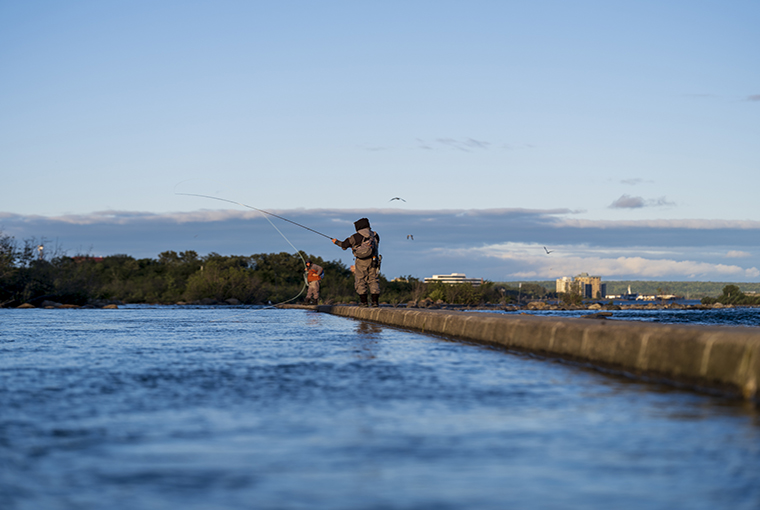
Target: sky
[(620, 136)]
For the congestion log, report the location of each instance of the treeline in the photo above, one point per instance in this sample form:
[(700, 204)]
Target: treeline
[(29, 276), (732, 295)]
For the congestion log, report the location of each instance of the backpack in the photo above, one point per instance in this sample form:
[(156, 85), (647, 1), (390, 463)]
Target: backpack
[(367, 248)]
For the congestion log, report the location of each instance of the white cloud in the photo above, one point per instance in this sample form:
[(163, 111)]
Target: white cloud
[(627, 202), (736, 254), (534, 263), (694, 224), (464, 144), (634, 181)]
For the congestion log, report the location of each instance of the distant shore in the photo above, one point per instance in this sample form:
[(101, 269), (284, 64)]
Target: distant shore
[(423, 304)]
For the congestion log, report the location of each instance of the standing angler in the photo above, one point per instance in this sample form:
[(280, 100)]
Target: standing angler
[(364, 244), (314, 274)]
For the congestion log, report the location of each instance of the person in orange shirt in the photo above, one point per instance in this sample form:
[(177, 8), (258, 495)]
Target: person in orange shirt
[(314, 275)]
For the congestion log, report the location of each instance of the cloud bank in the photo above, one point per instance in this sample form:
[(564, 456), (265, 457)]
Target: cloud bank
[(496, 244)]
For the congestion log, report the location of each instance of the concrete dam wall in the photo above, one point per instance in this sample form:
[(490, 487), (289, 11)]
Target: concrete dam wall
[(726, 357)]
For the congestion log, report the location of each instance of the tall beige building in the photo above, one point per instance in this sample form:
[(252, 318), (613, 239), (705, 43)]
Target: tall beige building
[(583, 284), (591, 286)]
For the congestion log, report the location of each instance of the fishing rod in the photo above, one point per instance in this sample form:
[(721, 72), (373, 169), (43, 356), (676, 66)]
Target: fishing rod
[(264, 213), (255, 209)]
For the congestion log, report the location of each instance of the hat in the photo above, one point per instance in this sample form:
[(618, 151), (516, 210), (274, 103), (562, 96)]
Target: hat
[(361, 223)]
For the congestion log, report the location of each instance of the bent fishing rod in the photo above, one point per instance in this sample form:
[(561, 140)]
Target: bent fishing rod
[(255, 209)]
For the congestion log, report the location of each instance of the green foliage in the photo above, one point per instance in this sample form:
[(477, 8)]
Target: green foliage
[(732, 295), (221, 279), (403, 290), (570, 299), (463, 293)]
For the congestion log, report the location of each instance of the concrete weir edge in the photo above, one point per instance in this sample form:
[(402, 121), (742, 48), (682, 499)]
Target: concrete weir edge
[(724, 357)]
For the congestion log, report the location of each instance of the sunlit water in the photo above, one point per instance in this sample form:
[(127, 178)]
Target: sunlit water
[(176, 408), (739, 316)]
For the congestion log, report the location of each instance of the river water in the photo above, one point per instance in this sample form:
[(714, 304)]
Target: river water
[(224, 408), (737, 316)]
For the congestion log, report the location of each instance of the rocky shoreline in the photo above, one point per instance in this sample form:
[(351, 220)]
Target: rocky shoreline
[(422, 304), (544, 306)]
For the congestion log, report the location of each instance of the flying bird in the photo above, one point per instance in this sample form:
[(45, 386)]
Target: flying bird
[(396, 198), (410, 236), (548, 251)]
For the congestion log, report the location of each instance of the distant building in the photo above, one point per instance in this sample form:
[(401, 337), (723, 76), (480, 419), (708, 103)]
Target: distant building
[(591, 286), (584, 285), (453, 278), (565, 285)]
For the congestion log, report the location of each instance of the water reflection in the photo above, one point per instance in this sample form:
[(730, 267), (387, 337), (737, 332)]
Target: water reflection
[(368, 334), (314, 320), (368, 329)]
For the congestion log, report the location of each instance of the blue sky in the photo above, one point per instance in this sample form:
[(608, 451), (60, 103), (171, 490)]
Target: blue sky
[(624, 135)]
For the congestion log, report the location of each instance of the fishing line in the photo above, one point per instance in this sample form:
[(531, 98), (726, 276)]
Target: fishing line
[(264, 214), (255, 209)]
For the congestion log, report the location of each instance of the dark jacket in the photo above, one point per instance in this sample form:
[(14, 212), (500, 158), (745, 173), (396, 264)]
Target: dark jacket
[(355, 240)]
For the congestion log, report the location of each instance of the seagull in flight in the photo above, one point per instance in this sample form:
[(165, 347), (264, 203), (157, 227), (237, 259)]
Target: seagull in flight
[(410, 236), (548, 251), (396, 198)]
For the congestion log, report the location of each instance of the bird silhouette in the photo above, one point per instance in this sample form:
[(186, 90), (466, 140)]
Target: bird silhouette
[(410, 236), (548, 251), (396, 198)]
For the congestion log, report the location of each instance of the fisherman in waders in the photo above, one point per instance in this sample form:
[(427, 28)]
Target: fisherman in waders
[(314, 275), (364, 244)]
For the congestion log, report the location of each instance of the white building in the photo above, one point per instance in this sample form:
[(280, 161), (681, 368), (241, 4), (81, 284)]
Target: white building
[(565, 285), (453, 278)]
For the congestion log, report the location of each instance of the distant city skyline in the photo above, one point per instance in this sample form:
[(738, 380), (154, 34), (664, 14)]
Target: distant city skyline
[(506, 140)]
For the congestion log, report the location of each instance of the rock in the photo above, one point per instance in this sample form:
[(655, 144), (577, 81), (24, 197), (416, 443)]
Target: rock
[(411, 304), (232, 301), (110, 307), (536, 305), (26, 305), (600, 315), (50, 304), (426, 303), (595, 306)]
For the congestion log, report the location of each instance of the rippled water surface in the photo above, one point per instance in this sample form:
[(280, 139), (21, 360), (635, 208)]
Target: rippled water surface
[(215, 408), (740, 316)]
